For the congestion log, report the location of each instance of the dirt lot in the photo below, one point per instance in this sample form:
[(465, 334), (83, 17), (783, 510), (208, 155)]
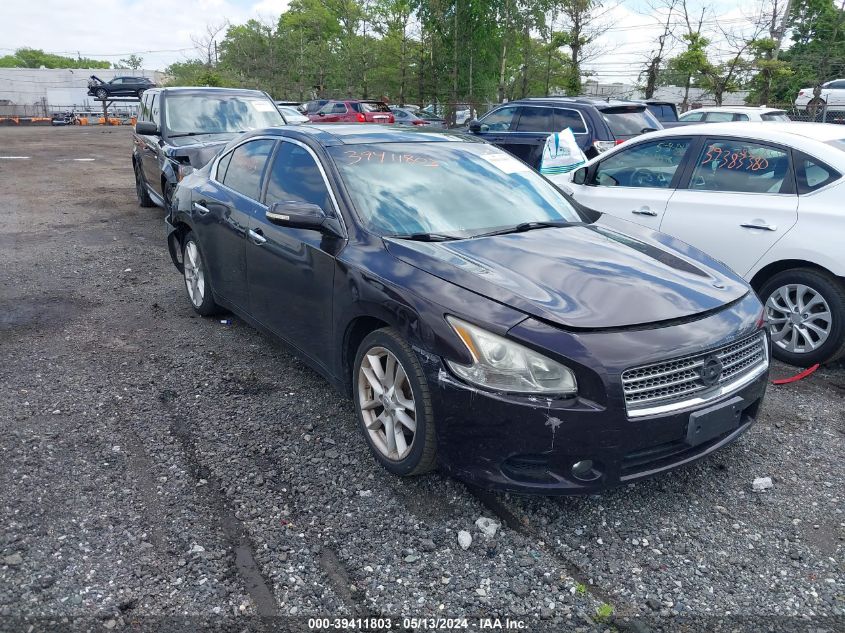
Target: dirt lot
[(156, 464)]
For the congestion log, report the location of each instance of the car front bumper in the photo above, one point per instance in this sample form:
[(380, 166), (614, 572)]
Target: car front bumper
[(530, 444)]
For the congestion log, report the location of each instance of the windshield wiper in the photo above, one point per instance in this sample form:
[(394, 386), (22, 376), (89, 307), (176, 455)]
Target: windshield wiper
[(425, 237), (193, 134), (528, 226)]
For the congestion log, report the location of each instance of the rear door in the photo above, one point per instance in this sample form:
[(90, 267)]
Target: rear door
[(331, 113), (221, 212), (533, 126), (738, 201), (636, 183), (574, 120), (835, 93)]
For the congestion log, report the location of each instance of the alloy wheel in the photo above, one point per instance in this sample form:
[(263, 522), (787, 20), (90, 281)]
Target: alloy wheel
[(799, 318), (387, 403), (194, 274)]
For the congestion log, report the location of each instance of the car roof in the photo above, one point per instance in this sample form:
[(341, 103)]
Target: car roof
[(210, 90), (332, 134), (736, 109), (596, 102)]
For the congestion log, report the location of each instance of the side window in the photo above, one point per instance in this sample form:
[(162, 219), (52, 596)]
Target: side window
[(155, 111), (222, 166), (296, 176), (534, 119), (499, 120), (695, 116), (144, 113), (400, 114), (837, 85), (813, 174), (644, 165), (246, 167), (740, 117), (742, 166), (117, 80), (565, 118), (339, 108), (719, 117)]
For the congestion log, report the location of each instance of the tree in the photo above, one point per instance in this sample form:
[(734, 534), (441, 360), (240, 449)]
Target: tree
[(133, 61), (655, 60), (582, 27), (36, 58)]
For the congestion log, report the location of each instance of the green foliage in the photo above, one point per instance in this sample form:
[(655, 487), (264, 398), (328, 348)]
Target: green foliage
[(198, 73), (604, 611), (581, 588), (36, 58), (133, 61)]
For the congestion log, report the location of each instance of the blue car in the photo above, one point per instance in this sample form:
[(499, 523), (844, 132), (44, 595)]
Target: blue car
[(480, 320)]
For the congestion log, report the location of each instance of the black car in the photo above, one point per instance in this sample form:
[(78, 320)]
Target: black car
[(478, 319), (119, 87), (181, 129), (521, 127)]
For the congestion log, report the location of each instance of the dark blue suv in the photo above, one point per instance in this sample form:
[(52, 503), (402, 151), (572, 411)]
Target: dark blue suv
[(521, 127)]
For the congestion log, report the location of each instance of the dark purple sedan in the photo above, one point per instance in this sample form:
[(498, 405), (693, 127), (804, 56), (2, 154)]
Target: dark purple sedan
[(479, 320)]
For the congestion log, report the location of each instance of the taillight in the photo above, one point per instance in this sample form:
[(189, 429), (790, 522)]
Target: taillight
[(619, 141), (800, 93), (420, 122), (361, 118)]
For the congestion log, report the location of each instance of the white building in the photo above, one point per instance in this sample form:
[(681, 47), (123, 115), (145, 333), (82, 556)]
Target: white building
[(40, 91)]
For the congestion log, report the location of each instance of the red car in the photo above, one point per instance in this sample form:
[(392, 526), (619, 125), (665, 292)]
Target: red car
[(353, 112)]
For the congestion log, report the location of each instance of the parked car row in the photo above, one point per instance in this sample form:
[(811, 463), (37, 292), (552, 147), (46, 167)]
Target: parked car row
[(472, 310)]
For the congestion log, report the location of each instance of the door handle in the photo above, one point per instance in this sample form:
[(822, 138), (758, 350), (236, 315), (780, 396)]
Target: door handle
[(759, 225), (202, 210), (645, 211), (256, 237)]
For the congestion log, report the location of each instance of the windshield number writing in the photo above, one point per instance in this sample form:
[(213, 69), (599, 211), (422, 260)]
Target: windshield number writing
[(727, 159), (389, 157)]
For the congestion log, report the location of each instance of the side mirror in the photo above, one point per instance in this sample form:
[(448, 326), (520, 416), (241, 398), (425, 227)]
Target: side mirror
[(321, 114), (475, 126), (299, 215), (148, 128), (580, 176)]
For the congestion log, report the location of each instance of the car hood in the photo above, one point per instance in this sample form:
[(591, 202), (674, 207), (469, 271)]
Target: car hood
[(198, 149), (582, 276)]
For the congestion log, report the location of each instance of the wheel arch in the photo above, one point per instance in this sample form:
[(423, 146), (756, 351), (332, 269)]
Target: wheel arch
[(175, 238), (356, 331), (770, 270)]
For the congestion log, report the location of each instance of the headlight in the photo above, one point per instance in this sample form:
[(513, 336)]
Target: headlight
[(502, 365)]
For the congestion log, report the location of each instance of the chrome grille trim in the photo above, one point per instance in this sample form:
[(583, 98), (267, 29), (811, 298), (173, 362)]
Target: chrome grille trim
[(676, 384)]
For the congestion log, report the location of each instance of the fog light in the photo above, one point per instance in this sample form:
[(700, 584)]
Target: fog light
[(586, 470), (579, 469)]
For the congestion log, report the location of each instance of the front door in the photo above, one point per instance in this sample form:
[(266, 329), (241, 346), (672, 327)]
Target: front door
[(291, 270), (499, 127), (739, 201), (152, 144), (636, 182)]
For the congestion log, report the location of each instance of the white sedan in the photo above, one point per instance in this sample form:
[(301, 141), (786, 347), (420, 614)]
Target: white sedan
[(764, 198), (723, 114), (832, 94)]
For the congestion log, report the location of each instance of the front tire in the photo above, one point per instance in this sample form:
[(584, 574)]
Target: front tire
[(141, 192), (196, 278), (393, 403), (102, 93), (805, 311)]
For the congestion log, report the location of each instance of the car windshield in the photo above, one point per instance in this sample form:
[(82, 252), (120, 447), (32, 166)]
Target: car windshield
[(372, 106), (217, 114), (629, 121), (448, 189)]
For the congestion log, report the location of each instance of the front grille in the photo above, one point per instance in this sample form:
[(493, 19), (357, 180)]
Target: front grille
[(680, 379)]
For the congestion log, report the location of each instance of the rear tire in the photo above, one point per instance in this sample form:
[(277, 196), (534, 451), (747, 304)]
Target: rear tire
[(196, 278), (393, 403), (805, 309)]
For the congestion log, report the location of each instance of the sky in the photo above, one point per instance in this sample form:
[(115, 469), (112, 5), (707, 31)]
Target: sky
[(161, 31)]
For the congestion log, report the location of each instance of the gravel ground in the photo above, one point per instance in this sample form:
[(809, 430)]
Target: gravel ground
[(155, 463)]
